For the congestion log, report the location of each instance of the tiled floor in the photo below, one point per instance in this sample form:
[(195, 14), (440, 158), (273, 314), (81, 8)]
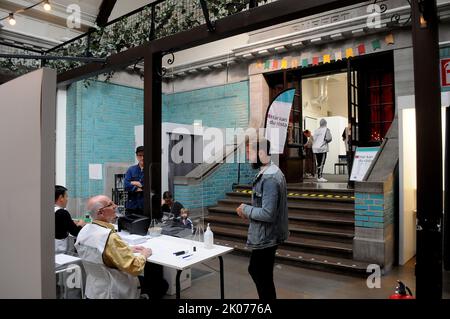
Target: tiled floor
[(296, 283)]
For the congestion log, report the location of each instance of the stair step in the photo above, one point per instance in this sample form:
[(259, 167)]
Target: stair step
[(304, 196), (319, 217), (304, 259), (308, 188), (292, 203), (293, 228), (299, 242)]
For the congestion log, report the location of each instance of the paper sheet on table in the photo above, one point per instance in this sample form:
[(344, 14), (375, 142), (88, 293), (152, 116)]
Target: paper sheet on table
[(62, 259)]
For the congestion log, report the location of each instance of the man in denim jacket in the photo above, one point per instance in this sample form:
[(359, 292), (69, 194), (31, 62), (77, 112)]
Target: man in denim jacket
[(268, 216)]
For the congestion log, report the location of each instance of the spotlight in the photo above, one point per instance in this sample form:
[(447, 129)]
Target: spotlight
[(11, 19), (47, 6)]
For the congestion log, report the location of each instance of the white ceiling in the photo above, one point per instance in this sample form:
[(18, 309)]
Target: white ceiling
[(51, 27)]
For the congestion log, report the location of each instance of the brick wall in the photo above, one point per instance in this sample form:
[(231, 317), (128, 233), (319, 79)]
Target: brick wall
[(100, 129), (374, 210), (213, 187), (220, 106)]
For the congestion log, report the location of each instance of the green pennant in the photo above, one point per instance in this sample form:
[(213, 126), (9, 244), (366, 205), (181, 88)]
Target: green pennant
[(376, 44), (305, 63), (267, 65)]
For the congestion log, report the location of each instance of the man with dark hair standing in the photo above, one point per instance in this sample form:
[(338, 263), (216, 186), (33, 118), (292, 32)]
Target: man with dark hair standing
[(134, 185), (64, 225), (268, 217)]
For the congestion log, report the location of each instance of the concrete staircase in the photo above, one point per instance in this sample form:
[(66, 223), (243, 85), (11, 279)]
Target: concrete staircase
[(321, 225)]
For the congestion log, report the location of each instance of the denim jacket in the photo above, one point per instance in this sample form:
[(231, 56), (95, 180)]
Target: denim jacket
[(268, 214)]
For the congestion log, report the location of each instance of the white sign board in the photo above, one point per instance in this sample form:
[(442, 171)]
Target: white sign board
[(277, 121), (95, 171), (363, 159)]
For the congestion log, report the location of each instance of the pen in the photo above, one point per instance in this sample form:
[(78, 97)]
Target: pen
[(178, 253), (187, 256)]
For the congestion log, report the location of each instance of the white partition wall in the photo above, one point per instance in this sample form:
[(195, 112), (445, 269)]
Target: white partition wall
[(27, 170)]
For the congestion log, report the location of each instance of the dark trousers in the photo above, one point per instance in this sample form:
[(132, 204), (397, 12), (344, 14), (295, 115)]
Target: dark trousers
[(153, 282), (261, 270), (320, 158)]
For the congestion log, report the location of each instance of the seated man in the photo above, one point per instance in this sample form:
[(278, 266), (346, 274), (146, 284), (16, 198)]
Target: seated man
[(111, 265), (170, 206), (64, 225)]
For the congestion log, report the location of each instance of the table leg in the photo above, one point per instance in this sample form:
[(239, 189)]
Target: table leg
[(177, 284), (222, 288)]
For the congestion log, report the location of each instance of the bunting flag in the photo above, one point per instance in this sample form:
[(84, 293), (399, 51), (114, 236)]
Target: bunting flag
[(305, 63), (315, 60), (308, 59), (389, 39), (376, 44), (275, 64), (349, 53), (361, 49)]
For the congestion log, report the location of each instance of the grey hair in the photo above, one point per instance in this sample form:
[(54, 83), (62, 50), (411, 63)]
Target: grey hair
[(323, 122), (94, 208)]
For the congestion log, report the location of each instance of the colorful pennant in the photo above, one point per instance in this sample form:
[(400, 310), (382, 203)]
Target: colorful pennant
[(361, 49), (326, 58), (376, 44), (349, 53)]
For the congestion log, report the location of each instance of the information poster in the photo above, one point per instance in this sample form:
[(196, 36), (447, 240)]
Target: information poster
[(363, 159)]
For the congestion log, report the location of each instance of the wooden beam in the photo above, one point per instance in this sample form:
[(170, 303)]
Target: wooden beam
[(254, 19), (104, 12), (429, 155)]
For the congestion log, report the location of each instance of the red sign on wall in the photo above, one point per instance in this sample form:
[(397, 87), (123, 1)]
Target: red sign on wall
[(445, 72)]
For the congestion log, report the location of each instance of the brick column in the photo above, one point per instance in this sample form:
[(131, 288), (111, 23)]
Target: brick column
[(374, 223)]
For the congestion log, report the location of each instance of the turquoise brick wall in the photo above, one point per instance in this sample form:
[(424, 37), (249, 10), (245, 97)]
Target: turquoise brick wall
[(220, 106), (374, 210), (214, 187), (102, 117), (100, 129)]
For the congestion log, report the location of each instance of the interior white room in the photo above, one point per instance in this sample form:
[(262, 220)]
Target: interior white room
[(325, 97)]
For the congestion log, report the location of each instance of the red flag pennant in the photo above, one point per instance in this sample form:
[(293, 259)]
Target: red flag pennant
[(315, 60), (361, 49)]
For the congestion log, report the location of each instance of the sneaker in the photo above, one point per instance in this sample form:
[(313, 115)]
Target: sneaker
[(322, 180)]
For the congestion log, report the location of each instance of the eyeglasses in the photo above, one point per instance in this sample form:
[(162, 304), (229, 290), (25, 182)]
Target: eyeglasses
[(109, 205)]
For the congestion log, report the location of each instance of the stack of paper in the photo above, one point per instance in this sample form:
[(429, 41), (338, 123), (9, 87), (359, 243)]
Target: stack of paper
[(132, 239)]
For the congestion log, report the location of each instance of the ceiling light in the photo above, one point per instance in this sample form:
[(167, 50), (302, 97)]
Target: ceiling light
[(11, 19), (47, 6)]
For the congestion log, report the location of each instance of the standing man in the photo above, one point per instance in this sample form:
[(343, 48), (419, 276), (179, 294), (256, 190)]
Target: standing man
[(134, 185), (64, 225), (268, 217), (322, 137)]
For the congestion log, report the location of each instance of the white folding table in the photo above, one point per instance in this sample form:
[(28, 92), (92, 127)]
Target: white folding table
[(163, 249)]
